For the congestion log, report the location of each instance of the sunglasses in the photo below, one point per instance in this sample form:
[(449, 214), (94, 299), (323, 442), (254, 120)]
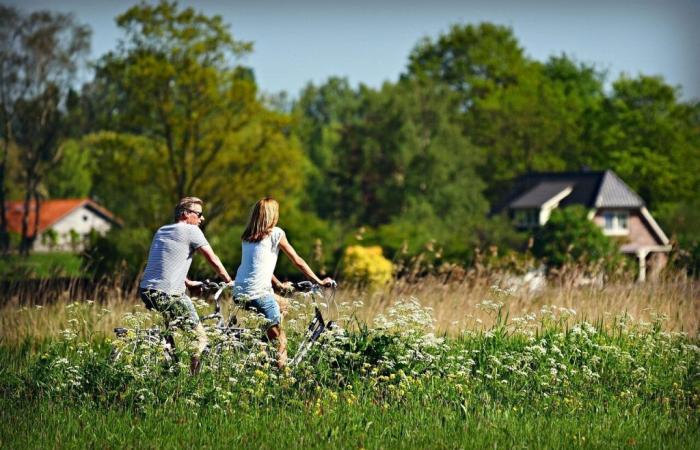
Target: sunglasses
[(199, 213)]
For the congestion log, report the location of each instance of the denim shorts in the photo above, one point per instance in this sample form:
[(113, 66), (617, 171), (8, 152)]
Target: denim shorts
[(268, 307)]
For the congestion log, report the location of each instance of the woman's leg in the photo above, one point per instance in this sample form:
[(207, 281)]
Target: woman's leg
[(271, 308), (276, 332), (283, 304)]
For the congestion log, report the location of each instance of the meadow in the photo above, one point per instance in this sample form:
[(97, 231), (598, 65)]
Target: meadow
[(430, 364)]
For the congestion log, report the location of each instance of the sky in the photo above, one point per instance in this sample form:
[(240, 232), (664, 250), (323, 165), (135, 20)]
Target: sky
[(297, 42)]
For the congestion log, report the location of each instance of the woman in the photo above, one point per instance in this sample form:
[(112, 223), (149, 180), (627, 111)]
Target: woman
[(261, 242)]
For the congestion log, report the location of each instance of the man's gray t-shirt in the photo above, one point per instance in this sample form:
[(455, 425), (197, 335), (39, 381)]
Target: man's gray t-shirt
[(170, 257)]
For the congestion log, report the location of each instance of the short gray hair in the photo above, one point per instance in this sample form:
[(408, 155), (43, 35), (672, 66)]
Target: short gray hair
[(185, 204)]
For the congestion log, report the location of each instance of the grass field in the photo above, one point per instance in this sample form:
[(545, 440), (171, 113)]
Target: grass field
[(412, 424), (411, 368)]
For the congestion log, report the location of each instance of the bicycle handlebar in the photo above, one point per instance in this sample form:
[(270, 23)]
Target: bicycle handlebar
[(310, 286), (302, 286)]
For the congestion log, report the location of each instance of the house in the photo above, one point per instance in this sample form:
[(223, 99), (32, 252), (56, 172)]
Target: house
[(612, 205), (63, 223)]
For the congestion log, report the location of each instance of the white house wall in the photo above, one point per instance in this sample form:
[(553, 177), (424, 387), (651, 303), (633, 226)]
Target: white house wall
[(82, 220)]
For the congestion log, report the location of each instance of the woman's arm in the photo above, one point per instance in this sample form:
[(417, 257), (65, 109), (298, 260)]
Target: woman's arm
[(299, 262)]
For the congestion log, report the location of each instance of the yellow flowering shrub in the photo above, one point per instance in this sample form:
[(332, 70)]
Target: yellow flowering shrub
[(366, 265)]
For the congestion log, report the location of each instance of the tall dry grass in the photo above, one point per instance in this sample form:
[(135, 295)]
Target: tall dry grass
[(460, 305), (457, 305)]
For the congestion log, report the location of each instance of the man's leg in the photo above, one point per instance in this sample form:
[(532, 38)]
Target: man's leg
[(183, 308), (201, 335), (162, 302), (189, 313)]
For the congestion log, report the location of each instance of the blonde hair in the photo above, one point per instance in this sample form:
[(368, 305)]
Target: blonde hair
[(185, 204), (263, 217)]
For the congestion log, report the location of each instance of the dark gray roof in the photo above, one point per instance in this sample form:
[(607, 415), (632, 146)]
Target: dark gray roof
[(540, 194), (600, 189), (614, 193)]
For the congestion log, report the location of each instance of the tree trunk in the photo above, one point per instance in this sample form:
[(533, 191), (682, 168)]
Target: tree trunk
[(27, 239), (4, 234)]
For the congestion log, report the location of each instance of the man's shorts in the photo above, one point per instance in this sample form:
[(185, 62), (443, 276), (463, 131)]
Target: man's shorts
[(268, 307), (173, 307)]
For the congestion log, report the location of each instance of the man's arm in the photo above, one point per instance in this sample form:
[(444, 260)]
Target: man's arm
[(214, 262)]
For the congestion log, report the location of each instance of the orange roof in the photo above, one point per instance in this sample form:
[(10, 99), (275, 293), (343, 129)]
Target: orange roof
[(51, 211)]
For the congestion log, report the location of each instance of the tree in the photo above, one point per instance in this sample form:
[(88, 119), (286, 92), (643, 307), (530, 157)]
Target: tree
[(322, 113), (651, 140), (204, 131), (72, 175), (39, 55), (500, 100), (394, 159), (527, 116), (9, 58), (473, 60)]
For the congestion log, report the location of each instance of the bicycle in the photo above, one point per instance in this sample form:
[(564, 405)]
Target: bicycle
[(233, 335), (228, 337)]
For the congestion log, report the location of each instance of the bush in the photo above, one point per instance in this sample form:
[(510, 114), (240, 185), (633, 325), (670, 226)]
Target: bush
[(367, 266), (40, 265), (122, 251), (570, 238)]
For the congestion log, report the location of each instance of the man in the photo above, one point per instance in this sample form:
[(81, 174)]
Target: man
[(164, 281)]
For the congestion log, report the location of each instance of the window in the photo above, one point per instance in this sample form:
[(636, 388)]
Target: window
[(616, 222), (527, 218), (85, 218)]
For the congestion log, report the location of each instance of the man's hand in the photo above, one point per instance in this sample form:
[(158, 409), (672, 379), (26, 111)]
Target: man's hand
[(193, 284), (284, 288), (194, 287)]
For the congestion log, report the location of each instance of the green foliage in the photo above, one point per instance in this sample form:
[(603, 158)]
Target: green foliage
[(569, 237), (129, 178), (72, 176), (316, 240), (408, 171), (122, 251), (49, 238), (685, 232), (527, 115), (366, 266), (474, 60), (400, 145), (201, 128), (651, 140)]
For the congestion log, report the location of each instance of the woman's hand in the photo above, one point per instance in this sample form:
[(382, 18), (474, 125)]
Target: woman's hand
[(328, 282)]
